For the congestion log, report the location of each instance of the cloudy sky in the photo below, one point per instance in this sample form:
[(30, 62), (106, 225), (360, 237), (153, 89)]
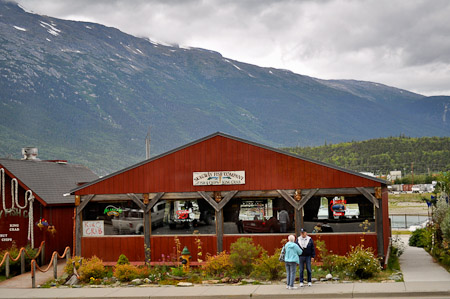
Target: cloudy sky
[(402, 43)]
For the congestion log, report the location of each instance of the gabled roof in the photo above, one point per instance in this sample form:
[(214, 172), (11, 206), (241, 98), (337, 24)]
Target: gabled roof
[(48, 180), (233, 138)]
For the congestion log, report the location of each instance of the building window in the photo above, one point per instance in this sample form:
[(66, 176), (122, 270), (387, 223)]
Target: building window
[(258, 216), (183, 217), (338, 214), (119, 218)]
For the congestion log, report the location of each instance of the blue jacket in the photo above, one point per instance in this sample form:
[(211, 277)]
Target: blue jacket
[(292, 252), (309, 250)]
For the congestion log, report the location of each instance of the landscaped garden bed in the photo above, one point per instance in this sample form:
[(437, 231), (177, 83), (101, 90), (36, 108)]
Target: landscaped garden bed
[(246, 263)]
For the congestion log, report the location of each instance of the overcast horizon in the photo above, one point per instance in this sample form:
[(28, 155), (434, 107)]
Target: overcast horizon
[(404, 44)]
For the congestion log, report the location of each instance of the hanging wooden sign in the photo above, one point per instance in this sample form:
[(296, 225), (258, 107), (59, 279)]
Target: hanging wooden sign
[(219, 178)]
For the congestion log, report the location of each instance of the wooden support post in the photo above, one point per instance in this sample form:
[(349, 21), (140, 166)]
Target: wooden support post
[(147, 233), (78, 234), (148, 223), (68, 256), (55, 266), (7, 265), (136, 200), (369, 196), (33, 273), (79, 221), (298, 221), (379, 230), (43, 254), (22, 262), (219, 230)]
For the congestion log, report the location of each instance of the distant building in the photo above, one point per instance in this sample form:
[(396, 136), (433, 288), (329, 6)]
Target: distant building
[(396, 174)]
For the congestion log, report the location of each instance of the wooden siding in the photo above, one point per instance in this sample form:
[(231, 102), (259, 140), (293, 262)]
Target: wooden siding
[(110, 248), (338, 243), (165, 245), (60, 217), (164, 249), (264, 170)]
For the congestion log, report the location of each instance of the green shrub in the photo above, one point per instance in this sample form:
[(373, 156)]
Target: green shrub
[(123, 260), (218, 265), (321, 249), (157, 273), (177, 271), (69, 265), (362, 262), (14, 266), (243, 253), (92, 267), (268, 267), (445, 227), (417, 238), (334, 263), (125, 272)]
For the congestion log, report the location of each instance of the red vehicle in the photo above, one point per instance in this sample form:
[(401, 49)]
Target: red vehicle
[(261, 226)]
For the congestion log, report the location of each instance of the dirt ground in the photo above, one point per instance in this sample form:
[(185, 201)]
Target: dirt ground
[(408, 203)]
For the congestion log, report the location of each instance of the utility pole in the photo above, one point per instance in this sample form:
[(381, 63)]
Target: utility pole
[(412, 172), (147, 144)]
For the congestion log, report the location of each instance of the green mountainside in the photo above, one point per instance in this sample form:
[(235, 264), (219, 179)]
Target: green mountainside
[(88, 93), (422, 155)]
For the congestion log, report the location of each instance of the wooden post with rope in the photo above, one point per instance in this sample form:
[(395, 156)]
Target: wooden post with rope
[(33, 273), (7, 265), (53, 262), (43, 253), (55, 266), (22, 262)]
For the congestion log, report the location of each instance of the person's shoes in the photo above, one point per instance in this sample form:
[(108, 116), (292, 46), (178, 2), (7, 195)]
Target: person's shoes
[(301, 284), (287, 287), (309, 284), (293, 288)]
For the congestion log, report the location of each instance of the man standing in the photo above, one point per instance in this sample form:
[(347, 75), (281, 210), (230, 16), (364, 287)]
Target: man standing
[(283, 217), (309, 253)]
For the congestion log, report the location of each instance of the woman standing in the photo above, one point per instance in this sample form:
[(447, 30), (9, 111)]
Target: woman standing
[(291, 259)]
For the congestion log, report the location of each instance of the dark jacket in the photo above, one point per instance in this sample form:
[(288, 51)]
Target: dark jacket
[(310, 250)]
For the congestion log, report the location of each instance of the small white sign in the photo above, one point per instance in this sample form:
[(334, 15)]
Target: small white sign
[(93, 228), (219, 178)]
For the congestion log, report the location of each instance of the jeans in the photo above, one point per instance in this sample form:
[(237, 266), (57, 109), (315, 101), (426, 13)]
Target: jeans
[(291, 269), (283, 227), (307, 260)]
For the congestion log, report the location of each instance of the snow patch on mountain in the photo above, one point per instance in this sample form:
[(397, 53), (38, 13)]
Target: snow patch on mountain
[(19, 28)]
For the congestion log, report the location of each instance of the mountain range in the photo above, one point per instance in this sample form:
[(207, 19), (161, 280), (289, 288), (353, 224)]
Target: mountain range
[(90, 93)]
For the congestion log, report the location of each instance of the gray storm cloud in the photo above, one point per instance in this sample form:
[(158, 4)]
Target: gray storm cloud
[(405, 44)]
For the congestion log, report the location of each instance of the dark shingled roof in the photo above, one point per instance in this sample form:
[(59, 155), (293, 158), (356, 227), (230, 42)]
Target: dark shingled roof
[(49, 180)]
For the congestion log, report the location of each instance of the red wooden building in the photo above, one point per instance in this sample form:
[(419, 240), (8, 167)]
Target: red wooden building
[(34, 207), (220, 188)]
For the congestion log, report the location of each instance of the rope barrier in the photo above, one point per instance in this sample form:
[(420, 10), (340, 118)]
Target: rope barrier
[(4, 258), (38, 253), (22, 250), (52, 259)]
